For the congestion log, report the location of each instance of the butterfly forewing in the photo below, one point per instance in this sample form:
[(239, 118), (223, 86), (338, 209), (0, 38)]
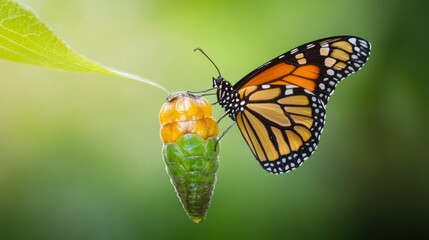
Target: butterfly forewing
[(281, 124), (317, 66)]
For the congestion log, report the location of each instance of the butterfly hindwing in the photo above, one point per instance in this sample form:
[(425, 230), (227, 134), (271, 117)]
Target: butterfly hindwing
[(316, 66), (281, 124)]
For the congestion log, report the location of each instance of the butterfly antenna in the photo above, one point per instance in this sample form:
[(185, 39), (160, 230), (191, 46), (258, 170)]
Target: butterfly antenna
[(201, 50)]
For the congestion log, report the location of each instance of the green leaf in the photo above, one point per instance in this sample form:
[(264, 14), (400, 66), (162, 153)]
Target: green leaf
[(26, 39)]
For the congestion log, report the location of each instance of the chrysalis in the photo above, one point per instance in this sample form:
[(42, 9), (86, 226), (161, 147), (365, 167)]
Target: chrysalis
[(189, 136)]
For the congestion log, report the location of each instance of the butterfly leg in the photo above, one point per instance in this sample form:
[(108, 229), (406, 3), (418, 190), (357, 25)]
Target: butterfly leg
[(224, 133), (207, 94), (203, 91), (218, 121)]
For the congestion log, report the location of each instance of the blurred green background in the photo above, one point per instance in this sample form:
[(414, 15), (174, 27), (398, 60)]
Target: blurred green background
[(80, 155)]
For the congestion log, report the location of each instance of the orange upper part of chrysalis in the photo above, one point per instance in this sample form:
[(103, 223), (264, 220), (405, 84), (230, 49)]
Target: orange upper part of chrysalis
[(184, 113)]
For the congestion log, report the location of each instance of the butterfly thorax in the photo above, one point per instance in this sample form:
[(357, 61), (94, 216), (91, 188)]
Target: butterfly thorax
[(228, 97)]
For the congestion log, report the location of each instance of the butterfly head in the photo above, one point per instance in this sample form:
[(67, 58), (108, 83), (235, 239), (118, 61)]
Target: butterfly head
[(217, 82), (227, 97)]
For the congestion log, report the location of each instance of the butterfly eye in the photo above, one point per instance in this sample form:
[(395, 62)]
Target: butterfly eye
[(214, 83), (217, 81)]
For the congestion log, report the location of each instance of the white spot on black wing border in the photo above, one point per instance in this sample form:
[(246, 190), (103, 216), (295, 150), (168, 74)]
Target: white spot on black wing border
[(293, 51)]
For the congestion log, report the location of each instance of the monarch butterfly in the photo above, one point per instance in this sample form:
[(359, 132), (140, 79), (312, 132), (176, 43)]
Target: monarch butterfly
[(280, 106)]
